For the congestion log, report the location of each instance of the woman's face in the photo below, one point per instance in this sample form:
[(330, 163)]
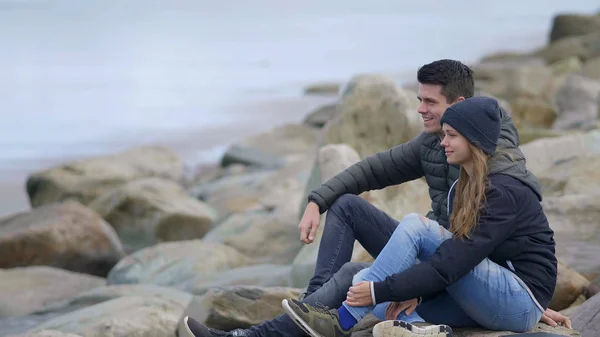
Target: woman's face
[(457, 147)]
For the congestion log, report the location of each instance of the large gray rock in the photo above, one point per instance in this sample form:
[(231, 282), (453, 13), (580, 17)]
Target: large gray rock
[(567, 25), (133, 316), (27, 290), (524, 83), (577, 103), (45, 333), (591, 68), (111, 292), (87, 179), (587, 317), (152, 210), (261, 275), (238, 307), (90, 298), (374, 115), (263, 237), (574, 219), (567, 167), (274, 191), (543, 154), (584, 47), (272, 149), (322, 115), (67, 235), (175, 264)]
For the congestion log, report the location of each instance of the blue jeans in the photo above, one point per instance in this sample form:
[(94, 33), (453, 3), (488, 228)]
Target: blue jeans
[(489, 296)]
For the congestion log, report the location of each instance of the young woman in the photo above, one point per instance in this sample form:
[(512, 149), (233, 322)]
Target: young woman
[(495, 268)]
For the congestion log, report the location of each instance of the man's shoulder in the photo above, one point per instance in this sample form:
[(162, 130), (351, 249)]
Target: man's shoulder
[(430, 140)]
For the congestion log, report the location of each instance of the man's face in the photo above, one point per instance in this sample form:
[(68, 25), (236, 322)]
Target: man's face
[(432, 107)]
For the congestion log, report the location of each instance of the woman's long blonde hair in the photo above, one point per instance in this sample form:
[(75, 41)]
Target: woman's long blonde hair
[(469, 196)]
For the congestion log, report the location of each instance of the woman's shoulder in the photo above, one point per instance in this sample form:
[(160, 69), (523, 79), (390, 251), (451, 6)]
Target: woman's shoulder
[(507, 184)]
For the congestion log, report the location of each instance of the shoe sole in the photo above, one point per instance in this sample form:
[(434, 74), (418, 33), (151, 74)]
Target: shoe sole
[(187, 331), (404, 329), (299, 321)]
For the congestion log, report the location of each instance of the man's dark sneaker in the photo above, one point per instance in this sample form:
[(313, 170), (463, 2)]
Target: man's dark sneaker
[(404, 329), (193, 328), (317, 322)]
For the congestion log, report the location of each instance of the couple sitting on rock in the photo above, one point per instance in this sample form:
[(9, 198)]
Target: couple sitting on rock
[(483, 257)]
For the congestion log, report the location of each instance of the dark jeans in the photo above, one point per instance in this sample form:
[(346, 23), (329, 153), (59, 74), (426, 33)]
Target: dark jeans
[(349, 218)]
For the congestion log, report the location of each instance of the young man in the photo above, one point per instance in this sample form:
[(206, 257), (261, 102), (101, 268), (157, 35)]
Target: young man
[(441, 84)]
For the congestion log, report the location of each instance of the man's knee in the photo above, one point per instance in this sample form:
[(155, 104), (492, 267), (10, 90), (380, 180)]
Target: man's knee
[(349, 269)]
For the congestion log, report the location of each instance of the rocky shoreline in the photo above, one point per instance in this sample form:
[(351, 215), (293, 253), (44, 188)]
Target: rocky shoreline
[(127, 244)]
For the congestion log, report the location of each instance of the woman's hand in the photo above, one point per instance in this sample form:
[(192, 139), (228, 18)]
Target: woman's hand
[(359, 295), (395, 308), (554, 318)]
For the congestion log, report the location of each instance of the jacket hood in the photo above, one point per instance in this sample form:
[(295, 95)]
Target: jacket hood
[(509, 159)]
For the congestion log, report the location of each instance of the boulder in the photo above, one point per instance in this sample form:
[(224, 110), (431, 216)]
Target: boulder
[(587, 317), (45, 333), (325, 88), (524, 83), (89, 298), (133, 316), (567, 25), (110, 292), (572, 176), (374, 115), (591, 68), (275, 191), (566, 67), (273, 149), (322, 115), (260, 236), (570, 285), (152, 210), (566, 167), (584, 47), (87, 179), (528, 134), (30, 289), (543, 154), (262, 275), (577, 103), (574, 219), (175, 264), (238, 307), (66, 235), (234, 193)]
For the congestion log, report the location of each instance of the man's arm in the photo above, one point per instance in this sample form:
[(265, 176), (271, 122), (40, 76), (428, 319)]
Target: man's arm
[(386, 168)]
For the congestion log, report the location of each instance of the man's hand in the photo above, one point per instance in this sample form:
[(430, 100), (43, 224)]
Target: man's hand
[(554, 318), (309, 223), (395, 308), (359, 295)]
